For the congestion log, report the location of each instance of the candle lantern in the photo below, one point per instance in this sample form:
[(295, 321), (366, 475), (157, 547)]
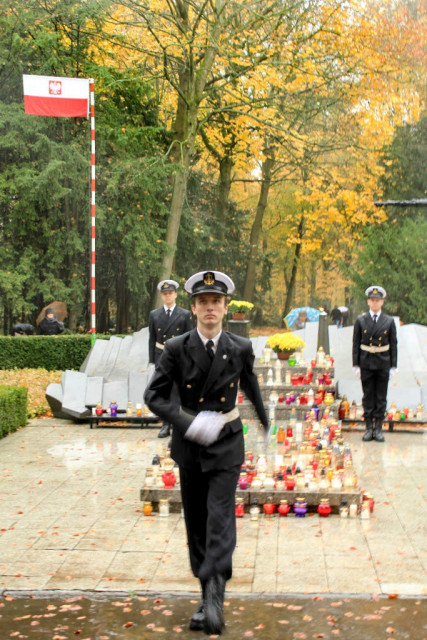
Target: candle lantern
[(168, 475), (283, 508), (289, 481), (243, 481), (147, 508), (344, 509), (240, 508), (269, 506), (164, 507), (324, 508), (300, 507), (254, 510), (294, 379)]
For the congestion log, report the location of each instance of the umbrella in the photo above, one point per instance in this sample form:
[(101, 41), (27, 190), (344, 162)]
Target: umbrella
[(58, 308), (312, 315), (343, 309)]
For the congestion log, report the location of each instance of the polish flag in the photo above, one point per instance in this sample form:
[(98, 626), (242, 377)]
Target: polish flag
[(58, 97)]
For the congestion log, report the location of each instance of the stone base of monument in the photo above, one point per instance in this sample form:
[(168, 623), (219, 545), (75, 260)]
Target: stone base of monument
[(239, 327), (335, 497)]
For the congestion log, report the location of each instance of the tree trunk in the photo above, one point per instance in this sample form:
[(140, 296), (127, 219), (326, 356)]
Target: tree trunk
[(295, 263), (224, 185), (256, 229), (192, 85)]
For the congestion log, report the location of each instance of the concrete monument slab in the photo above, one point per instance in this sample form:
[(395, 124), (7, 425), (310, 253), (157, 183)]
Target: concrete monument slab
[(73, 402)]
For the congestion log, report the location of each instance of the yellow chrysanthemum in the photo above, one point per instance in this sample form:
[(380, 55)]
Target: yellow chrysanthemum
[(285, 342), (240, 306)]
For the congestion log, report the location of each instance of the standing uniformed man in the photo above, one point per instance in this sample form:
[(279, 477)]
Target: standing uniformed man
[(374, 360), (166, 322), (207, 440)]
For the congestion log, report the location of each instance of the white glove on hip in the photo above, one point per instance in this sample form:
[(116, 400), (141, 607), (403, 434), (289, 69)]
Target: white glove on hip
[(393, 370), (206, 427), (356, 371)]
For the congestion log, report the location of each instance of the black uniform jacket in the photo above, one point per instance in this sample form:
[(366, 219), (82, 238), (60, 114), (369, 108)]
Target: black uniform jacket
[(375, 334), (161, 328), (203, 386)]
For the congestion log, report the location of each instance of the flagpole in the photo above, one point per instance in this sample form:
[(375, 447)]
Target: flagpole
[(92, 210)]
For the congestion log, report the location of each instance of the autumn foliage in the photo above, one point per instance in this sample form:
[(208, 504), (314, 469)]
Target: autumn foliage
[(36, 382)]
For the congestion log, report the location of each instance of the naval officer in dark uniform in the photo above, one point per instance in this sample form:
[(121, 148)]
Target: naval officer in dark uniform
[(164, 323), (374, 360), (207, 440)]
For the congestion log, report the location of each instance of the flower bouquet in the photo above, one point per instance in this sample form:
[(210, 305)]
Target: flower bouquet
[(239, 308), (284, 344)]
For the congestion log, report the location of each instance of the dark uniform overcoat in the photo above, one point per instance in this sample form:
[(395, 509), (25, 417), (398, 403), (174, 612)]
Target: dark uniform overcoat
[(374, 367), (161, 328), (208, 474)]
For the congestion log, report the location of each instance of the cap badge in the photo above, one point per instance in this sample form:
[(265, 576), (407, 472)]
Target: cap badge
[(209, 279), (165, 285), (375, 290)]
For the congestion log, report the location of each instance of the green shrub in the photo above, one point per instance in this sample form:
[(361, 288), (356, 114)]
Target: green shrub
[(47, 352), (13, 409)]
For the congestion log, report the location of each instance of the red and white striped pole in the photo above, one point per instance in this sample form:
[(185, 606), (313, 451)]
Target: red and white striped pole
[(92, 211)]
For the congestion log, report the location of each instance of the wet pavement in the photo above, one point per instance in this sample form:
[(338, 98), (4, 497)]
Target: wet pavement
[(263, 618), (71, 523)]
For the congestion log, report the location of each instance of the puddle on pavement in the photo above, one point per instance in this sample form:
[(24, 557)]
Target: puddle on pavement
[(99, 617)]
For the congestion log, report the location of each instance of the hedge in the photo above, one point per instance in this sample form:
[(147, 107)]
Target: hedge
[(54, 353), (13, 409)]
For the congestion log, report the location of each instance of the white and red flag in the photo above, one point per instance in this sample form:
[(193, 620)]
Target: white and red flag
[(58, 97)]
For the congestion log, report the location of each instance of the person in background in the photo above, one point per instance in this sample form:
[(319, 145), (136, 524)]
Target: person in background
[(300, 322), (374, 360), (336, 316), (50, 326), (206, 365), (22, 329), (166, 322)]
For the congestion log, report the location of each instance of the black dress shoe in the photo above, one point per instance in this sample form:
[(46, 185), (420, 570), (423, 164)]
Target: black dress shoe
[(198, 618), (165, 431), (213, 623)]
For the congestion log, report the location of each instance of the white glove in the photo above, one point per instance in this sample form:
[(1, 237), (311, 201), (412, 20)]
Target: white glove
[(206, 427), (393, 370), (356, 371)]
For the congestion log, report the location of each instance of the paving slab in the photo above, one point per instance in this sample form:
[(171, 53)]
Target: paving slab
[(72, 494)]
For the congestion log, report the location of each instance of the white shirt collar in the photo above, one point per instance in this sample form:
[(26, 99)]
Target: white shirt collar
[(378, 313), (170, 308), (215, 340)]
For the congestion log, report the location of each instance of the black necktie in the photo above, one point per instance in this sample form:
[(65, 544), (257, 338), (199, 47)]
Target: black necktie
[(168, 313), (375, 318), (209, 349)]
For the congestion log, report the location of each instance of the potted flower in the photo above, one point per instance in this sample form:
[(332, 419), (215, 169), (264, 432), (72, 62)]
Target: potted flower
[(285, 344), (239, 308)]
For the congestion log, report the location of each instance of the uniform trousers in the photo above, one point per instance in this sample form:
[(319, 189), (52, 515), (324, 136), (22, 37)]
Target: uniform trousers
[(208, 500), (374, 385)]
